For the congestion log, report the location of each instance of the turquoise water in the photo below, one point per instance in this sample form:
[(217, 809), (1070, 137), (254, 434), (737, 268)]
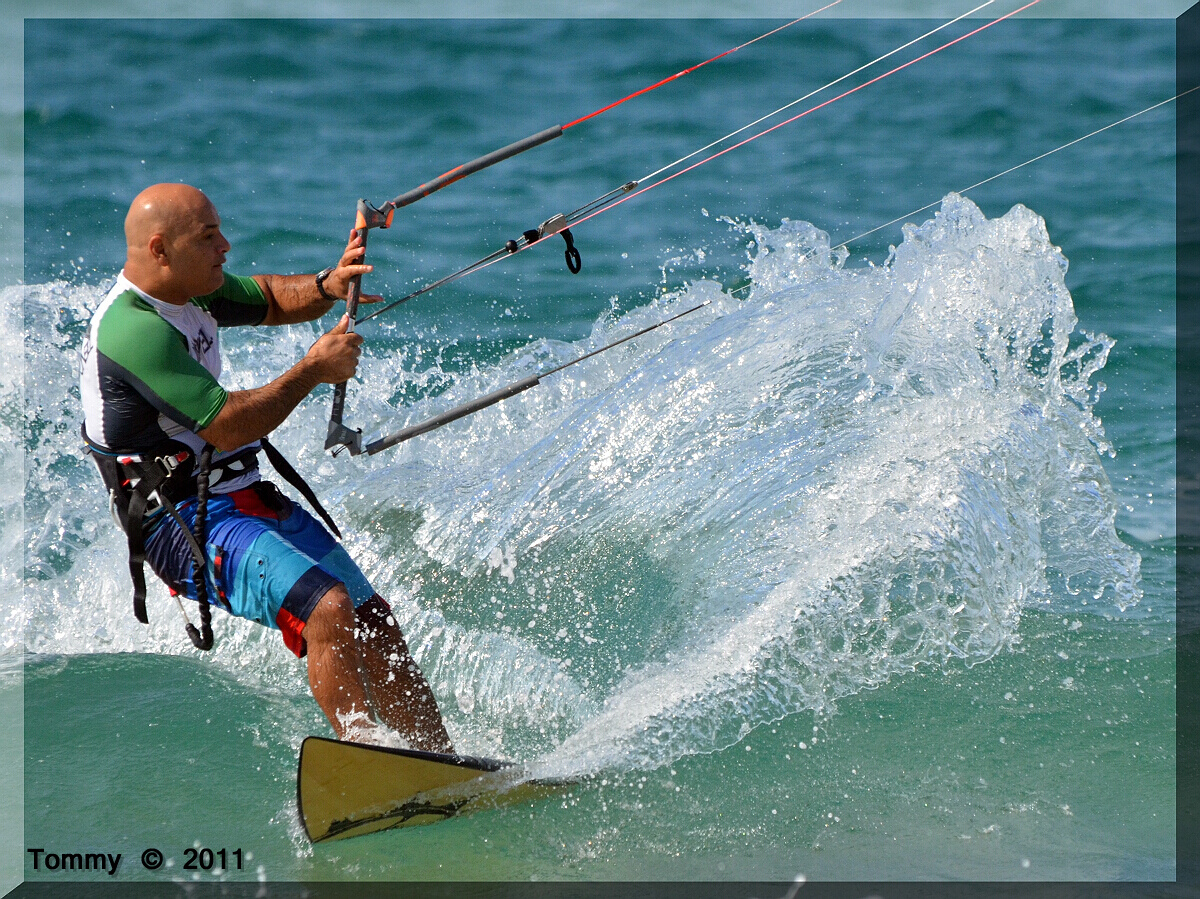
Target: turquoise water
[(865, 570)]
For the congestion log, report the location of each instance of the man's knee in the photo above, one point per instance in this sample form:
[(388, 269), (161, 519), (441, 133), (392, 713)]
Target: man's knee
[(380, 630), (376, 613)]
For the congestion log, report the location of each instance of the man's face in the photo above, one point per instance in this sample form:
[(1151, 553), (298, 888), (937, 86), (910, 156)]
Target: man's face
[(197, 252)]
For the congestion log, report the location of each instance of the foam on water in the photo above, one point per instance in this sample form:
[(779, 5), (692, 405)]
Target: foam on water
[(773, 503), (12, 417)]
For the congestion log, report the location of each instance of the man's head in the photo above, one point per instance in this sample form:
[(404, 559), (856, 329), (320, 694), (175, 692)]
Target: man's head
[(175, 248)]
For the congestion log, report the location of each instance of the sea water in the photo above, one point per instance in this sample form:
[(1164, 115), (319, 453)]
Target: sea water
[(863, 570)]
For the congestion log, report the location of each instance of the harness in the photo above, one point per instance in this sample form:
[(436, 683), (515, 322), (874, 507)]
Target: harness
[(140, 484)]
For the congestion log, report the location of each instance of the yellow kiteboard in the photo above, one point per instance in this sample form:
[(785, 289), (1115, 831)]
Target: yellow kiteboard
[(349, 789)]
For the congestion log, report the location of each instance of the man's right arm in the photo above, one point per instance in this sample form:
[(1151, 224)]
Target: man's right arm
[(248, 415)]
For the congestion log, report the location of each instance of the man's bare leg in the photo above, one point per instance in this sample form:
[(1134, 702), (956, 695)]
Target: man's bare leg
[(335, 672), (401, 695)]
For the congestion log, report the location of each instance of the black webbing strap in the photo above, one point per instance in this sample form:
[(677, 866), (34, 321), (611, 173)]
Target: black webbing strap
[(137, 555), (284, 467), (133, 481), (151, 476), (203, 639)]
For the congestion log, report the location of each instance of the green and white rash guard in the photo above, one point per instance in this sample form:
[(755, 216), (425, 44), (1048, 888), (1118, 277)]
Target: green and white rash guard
[(150, 368)]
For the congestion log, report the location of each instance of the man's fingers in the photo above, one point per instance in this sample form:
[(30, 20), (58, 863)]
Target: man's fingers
[(336, 353), (353, 338)]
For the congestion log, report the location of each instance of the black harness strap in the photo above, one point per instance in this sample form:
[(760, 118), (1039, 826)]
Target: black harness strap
[(134, 481), (152, 476), (289, 474), (204, 638)]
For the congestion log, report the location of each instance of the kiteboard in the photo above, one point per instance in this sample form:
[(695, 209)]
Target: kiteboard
[(349, 789)]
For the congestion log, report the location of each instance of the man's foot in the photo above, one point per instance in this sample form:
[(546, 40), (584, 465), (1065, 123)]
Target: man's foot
[(358, 727)]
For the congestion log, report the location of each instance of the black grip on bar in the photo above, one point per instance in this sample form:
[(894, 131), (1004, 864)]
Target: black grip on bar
[(454, 414), (337, 434), (482, 162), (339, 390)]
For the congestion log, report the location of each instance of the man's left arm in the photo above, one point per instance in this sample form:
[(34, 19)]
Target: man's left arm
[(296, 298)]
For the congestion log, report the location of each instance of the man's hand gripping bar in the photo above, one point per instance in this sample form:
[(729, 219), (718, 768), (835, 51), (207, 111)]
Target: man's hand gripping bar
[(368, 217), (338, 435)]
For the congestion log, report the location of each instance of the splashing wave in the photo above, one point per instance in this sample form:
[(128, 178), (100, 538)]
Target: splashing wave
[(776, 502)]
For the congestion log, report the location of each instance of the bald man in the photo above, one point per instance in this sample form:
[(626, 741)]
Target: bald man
[(152, 403)]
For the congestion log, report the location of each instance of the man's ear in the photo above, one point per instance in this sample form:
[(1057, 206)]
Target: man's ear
[(158, 249)]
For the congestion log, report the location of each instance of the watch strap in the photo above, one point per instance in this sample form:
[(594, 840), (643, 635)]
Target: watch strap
[(321, 276)]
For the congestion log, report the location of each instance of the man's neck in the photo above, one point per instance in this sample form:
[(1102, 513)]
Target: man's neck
[(153, 287)]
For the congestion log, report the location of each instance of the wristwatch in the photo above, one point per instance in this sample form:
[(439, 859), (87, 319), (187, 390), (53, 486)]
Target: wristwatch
[(321, 276)]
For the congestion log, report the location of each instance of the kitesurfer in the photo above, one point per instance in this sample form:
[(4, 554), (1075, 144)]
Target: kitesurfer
[(152, 403)]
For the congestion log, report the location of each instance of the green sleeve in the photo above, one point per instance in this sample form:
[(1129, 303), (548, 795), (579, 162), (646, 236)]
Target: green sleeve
[(239, 301), (152, 356)]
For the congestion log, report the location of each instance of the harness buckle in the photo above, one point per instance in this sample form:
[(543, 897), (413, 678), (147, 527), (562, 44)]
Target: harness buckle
[(170, 463)]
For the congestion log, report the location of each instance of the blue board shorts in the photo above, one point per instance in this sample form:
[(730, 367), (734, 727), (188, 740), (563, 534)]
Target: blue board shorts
[(270, 561)]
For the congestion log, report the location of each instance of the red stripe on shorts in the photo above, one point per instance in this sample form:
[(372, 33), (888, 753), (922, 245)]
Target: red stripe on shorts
[(248, 502), (292, 629)]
